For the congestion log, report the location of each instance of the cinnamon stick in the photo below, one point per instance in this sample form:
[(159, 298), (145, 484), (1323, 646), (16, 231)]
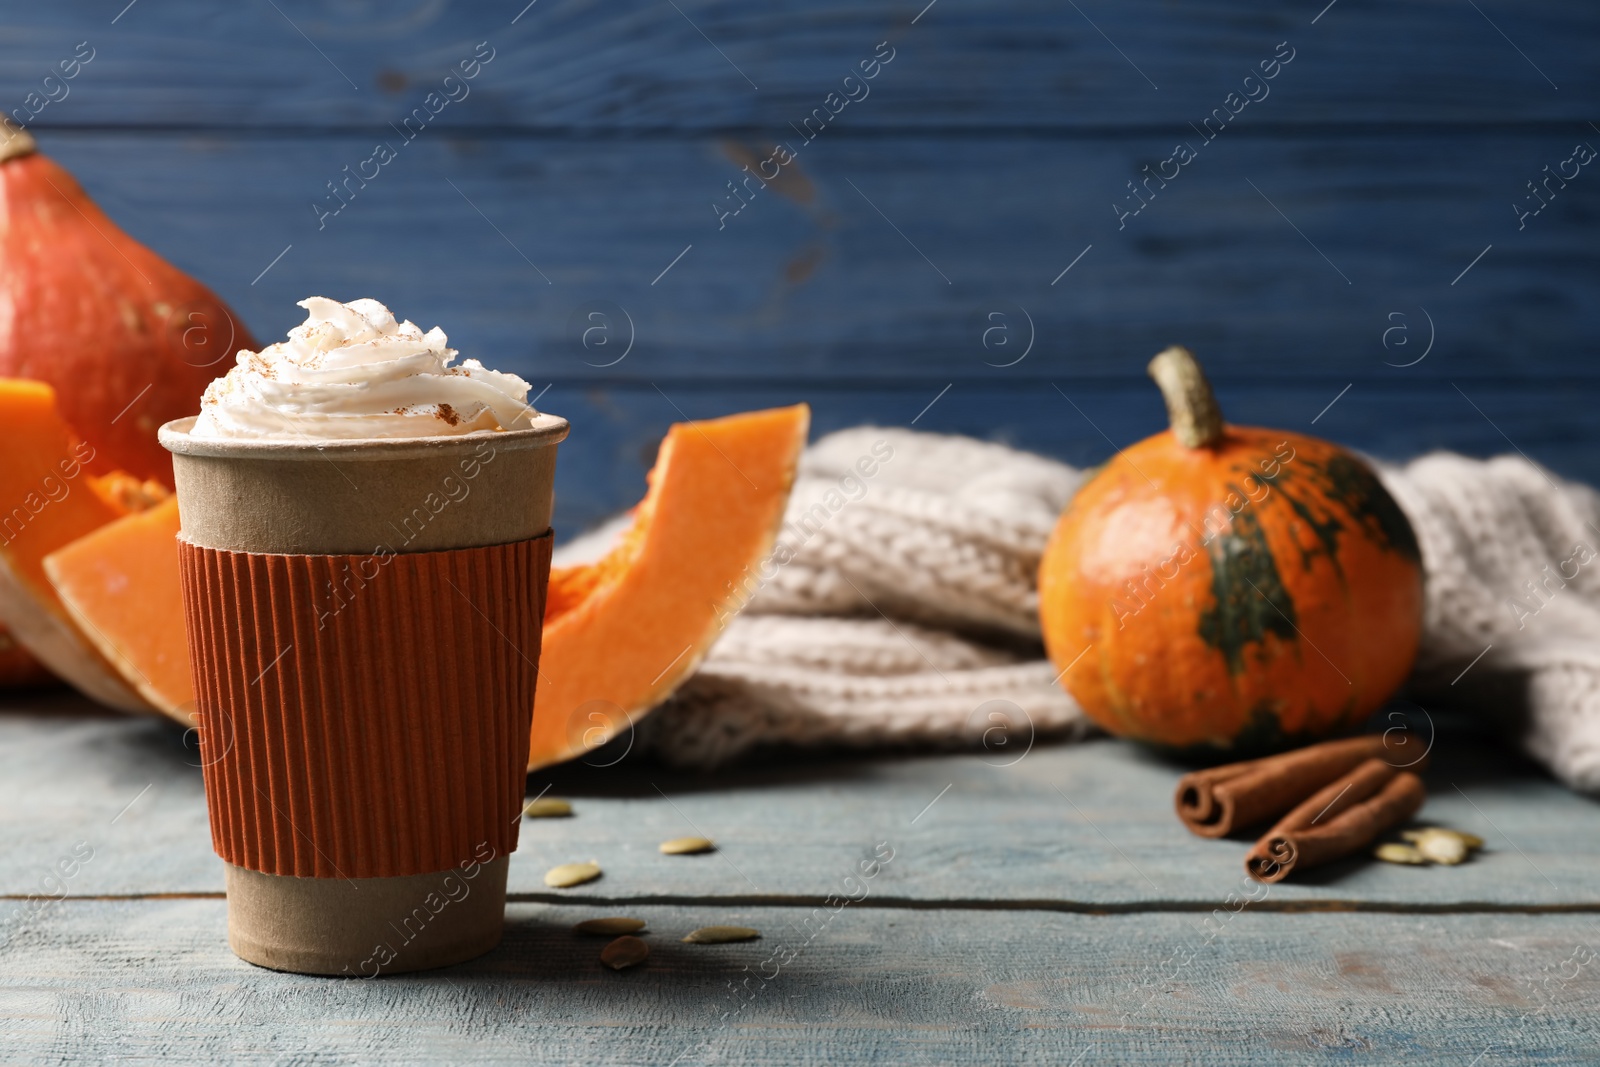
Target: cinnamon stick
[(1344, 816), (1216, 801)]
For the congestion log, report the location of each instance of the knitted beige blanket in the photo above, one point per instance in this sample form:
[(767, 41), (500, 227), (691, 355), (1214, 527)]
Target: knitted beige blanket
[(905, 608)]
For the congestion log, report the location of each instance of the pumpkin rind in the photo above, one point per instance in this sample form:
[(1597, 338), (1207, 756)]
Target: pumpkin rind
[(18, 667), (129, 340), (1261, 589)]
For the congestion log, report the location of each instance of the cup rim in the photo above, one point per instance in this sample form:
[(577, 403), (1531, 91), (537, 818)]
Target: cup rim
[(545, 430)]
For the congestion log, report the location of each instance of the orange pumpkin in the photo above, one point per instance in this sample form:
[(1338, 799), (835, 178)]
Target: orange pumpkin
[(1230, 587), (128, 340)]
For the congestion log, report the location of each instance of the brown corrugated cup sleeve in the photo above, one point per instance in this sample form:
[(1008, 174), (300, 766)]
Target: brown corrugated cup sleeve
[(364, 716)]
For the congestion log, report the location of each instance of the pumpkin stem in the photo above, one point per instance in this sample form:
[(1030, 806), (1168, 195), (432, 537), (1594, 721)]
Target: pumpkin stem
[(16, 141), (1191, 405)]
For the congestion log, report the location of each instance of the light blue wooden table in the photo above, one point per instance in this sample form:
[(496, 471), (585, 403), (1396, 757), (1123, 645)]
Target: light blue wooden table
[(1049, 909)]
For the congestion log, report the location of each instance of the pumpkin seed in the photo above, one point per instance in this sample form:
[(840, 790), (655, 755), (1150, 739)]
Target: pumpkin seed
[(1470, 840), (717, 935), (610, 926), (547, 808), (624, 952), (687, 846), (571, 874), (1443, 847), (1394, 852)]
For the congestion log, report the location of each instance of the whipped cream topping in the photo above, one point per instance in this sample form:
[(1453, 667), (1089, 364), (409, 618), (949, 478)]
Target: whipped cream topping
[(352, 371)]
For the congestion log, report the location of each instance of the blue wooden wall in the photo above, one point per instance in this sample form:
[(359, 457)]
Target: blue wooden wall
[(1362, 229)]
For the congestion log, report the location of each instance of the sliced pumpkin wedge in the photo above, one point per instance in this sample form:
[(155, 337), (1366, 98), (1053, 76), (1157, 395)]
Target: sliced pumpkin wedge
[(622, 633), (122, 587), (47, 499)]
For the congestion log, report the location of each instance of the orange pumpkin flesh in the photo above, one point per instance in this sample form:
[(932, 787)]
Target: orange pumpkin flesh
[(1254, 590), (621, 634), (122, 587), (128, 339), (48, 498)]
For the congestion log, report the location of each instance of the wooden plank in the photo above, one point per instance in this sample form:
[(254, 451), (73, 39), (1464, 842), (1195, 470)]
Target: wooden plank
[(1072, 827), (148, 980), (634, 65), (601, 468), (511, 243)]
